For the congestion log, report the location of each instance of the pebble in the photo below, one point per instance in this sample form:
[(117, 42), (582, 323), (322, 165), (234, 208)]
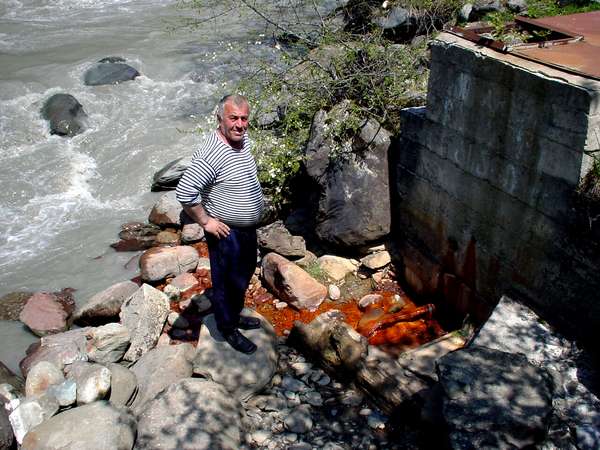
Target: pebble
[(292, 384), (324, 380), (280, 305), (314, 398), (302, 368), (259, 437), (365, 412), (334, 292)]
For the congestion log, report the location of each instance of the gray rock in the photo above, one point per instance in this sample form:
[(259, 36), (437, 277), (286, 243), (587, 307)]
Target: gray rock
[(97, 426), (158, 263), (107, 343), (144, 314), (376, 260), (93, 381), (493, 398), (65, 393), (396, 17), (123, 385), (136, 236), (167, 211), (242, 375), (176, 320), (109, 73), (7, 437), (159, 368), (465, 12), (336, 267), (354, 199), (517, 6), (59, 349), (292, 384), (30, 413), (8, 377), (168, 177), (276, 238), (192, 414), (104, 306), (41, 376), (299, 420), (191, 233), (65, 115)]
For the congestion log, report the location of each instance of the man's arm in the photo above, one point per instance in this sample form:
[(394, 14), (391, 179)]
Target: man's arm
[(210, 224)]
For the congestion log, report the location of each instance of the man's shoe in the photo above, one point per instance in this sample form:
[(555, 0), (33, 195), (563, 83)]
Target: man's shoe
[(249, 323), (239, 342)]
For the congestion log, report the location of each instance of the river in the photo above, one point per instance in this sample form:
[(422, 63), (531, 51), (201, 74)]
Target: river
[(62, 200)]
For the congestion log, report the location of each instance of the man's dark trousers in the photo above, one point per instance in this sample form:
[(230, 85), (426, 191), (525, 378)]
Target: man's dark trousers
[(232, 263)]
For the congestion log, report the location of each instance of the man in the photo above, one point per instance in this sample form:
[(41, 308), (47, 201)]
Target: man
[(220, 191)]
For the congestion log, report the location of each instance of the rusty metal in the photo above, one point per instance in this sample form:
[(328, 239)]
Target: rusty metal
[(572, 45)]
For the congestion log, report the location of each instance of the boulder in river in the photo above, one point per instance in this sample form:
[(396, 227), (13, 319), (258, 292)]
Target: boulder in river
[(167, 211), (168, 177), (109, 71), (160, 262), (136, 236), (105, 306), (65, 114), (46, 313)]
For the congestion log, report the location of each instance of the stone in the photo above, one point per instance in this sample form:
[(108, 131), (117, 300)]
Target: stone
[(161, 262), (30, 413), (7, 437), (8, 377), (336, 267), (396, 17), (103, 73), (167, 239), (353, 190), (59, 349), (369, 299), (93, 381), (123, 385), (334, 292), (97, 426), (107, 343), (292, 384), (377, 260), (12, 304), (292, 284), (299, 420), (168, 177), (41, 376), (167, 211), (65, 393), (242, 375), (276, 238), (191, 233), (465, 11), (159, 368), (201, 302), (46, 313), (477, 384), (136, 236), (144, 315), (184, 281), (176, 320), (517, 6), (65, 115), (309, 259), (104, 306), (191, 414)]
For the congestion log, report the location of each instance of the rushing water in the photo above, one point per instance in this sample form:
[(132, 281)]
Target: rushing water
[(62, 200)]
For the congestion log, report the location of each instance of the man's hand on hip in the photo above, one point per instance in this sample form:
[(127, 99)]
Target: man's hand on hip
[(216, 227)]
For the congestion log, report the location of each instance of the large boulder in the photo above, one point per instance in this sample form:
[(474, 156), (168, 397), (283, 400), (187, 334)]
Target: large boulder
[(192, 414), (109, 71), (144, 314), (493, 399), (352, 178), (276, 238), (291, 283), (12, 304), (167, 211), (241, 374), (59, 349), (97, 426), (46, 313), (160, 262), (123, 385), (104, 306), (159, 368), (168, 177), (65, 115), (107, 343)]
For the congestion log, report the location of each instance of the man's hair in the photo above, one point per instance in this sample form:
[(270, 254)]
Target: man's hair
[(236, 99)]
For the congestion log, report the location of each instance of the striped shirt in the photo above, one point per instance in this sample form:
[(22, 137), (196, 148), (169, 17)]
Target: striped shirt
[(225, 181)]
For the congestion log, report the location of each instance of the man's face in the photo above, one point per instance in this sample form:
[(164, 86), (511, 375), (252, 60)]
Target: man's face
[(234, 123)]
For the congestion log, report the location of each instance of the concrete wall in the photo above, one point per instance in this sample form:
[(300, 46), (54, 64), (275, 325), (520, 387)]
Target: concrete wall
[(483, 185)]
